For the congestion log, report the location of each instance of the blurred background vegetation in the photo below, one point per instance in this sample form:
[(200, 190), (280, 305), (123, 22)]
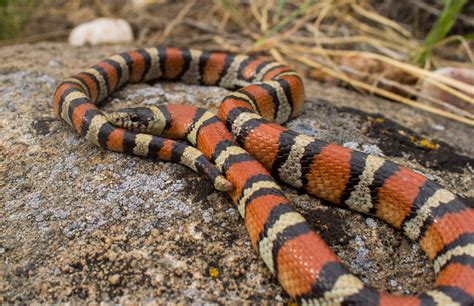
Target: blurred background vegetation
[(384, 47), (14, 15)]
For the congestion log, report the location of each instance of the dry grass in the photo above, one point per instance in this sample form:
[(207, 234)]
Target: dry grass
[(320, 34), (340, 40)]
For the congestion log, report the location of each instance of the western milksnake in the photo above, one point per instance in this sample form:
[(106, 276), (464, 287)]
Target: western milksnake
[(267, 92)]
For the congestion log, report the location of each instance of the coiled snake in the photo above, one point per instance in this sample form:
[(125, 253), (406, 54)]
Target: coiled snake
[(266, 95)]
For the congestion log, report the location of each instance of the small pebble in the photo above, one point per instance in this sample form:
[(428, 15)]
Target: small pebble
[(55, 63), (438, 127), (112, 256), (371, 222), (114, 279), (206, 216), (351, 145), (372, 149)]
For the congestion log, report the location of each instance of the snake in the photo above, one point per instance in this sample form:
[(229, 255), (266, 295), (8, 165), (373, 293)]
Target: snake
[(244, 150)]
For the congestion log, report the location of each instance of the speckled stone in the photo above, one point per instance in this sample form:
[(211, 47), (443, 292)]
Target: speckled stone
[(81, 224)]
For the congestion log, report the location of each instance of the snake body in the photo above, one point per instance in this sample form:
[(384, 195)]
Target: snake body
[(265, 95)]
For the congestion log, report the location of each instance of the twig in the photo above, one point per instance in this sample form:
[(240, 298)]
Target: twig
[(35, 38), (346, 40), (201, 26), (176, 21), (434, 11), (438, 80), (463, 42), (379, 91), (407, 89), (380, 19)]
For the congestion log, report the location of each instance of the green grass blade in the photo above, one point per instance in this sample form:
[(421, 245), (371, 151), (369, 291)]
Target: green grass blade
[(444, 23)]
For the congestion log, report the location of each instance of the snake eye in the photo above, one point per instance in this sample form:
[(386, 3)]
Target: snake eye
[(134, 118)]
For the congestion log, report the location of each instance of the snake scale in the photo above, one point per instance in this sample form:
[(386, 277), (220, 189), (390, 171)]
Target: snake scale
[(265, 95)]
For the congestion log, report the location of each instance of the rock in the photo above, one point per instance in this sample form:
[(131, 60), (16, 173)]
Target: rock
[(101, 31), (465, 75), (142, 3), (83, 225), (112, 256)]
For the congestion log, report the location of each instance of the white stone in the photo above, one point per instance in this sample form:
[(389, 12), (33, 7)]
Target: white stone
[(101, 31)]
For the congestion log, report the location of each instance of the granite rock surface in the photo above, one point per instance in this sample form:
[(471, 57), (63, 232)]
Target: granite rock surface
[(81, 224)]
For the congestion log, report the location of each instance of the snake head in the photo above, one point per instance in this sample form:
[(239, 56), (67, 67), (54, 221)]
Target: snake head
[(139, 119)]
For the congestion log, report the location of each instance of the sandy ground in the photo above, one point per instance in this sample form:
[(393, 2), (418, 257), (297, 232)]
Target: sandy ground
[(81, 224)]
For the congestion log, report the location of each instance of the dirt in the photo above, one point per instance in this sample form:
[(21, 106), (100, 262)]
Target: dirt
[(397, 140), (81, 224)]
